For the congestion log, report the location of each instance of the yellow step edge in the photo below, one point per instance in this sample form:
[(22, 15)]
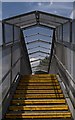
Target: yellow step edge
[(34, 86), (39, 84), (39, 115), (39, 79), (39, 96), (45, 107), (57, 101), (38, 87), (38, 91)]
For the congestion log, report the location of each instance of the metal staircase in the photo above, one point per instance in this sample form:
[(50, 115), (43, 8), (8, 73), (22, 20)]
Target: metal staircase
[(38, 97)]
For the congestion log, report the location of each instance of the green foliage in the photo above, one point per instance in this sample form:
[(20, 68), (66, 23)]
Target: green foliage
[(44, 61)]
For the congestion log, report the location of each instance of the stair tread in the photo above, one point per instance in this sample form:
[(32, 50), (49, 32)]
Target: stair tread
[(38, 87), (39, 84), (39, 90), (57, 101), (39, 107), (39, 115), (38, 97), (39, 80)]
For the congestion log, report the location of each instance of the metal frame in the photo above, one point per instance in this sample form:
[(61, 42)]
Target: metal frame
[(38, 52), (37, 60), (38, 34), (52, 48), (38, 56), (13, 84), (67, 79), (38, 20), (67, 44), (39, 47), (37, 17), (7, 99), (39, 40)]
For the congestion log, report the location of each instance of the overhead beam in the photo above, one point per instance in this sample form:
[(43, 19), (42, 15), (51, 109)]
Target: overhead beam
[(39, 52), (38, 41), (38, 34), (39, 47)]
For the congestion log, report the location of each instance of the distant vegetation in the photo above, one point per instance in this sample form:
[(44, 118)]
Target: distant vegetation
[(43, 65)]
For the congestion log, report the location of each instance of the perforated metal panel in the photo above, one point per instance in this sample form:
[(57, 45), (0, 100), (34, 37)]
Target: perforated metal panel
[(16, 33), (15, 53), (0, 64), (6, 60), (5, 86), (73, 32), (15, 70), (8, 33), (59, 33), (66, 32), (0, 33)]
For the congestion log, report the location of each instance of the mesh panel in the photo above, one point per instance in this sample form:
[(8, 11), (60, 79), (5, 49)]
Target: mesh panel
[(15, 70), (66, 32), (59, 33), (5, 86), (0, 33), (16, 53), (73, 32), (6, 60), (16, 33), (8, 33), (0, 64)]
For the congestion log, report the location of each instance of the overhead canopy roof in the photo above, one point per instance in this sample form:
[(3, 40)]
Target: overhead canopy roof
[(39, 46), (37, 18)]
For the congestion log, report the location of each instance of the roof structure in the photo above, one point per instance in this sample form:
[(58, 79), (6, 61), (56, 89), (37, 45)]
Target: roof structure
[(37, 18), (39, 50)]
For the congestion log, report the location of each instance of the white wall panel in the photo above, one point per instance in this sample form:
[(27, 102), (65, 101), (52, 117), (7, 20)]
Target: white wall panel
[(66, 32), (15, 70), (8, 30), (73, 32), (0, 33), (6, 60), (5, 86), (15, 53)]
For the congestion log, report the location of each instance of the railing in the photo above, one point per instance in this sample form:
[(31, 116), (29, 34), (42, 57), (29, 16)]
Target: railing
[(13, 52), (64, 56), (52, 48), (67, 80)]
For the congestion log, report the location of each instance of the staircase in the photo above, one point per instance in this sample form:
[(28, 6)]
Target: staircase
[(38, 97)]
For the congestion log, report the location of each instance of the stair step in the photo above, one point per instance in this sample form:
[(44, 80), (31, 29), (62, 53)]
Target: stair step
[(51, 101), (38, 91), (39, 80), (39, 75), (39, 84), (38, 87), (39, 115), (38, 96), (43, 107)]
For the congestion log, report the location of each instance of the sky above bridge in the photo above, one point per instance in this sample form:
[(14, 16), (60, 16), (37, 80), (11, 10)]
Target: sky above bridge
[(15, 8)]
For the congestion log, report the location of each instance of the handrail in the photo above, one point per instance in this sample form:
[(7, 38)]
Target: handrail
[(64, 68), (67, 80), (10, 69), (52, 47)]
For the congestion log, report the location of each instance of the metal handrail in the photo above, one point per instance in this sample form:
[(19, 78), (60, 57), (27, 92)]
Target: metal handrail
[(64, 68)]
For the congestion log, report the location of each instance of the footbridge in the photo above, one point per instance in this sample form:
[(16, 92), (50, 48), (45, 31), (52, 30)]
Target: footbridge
[(38, 67)]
